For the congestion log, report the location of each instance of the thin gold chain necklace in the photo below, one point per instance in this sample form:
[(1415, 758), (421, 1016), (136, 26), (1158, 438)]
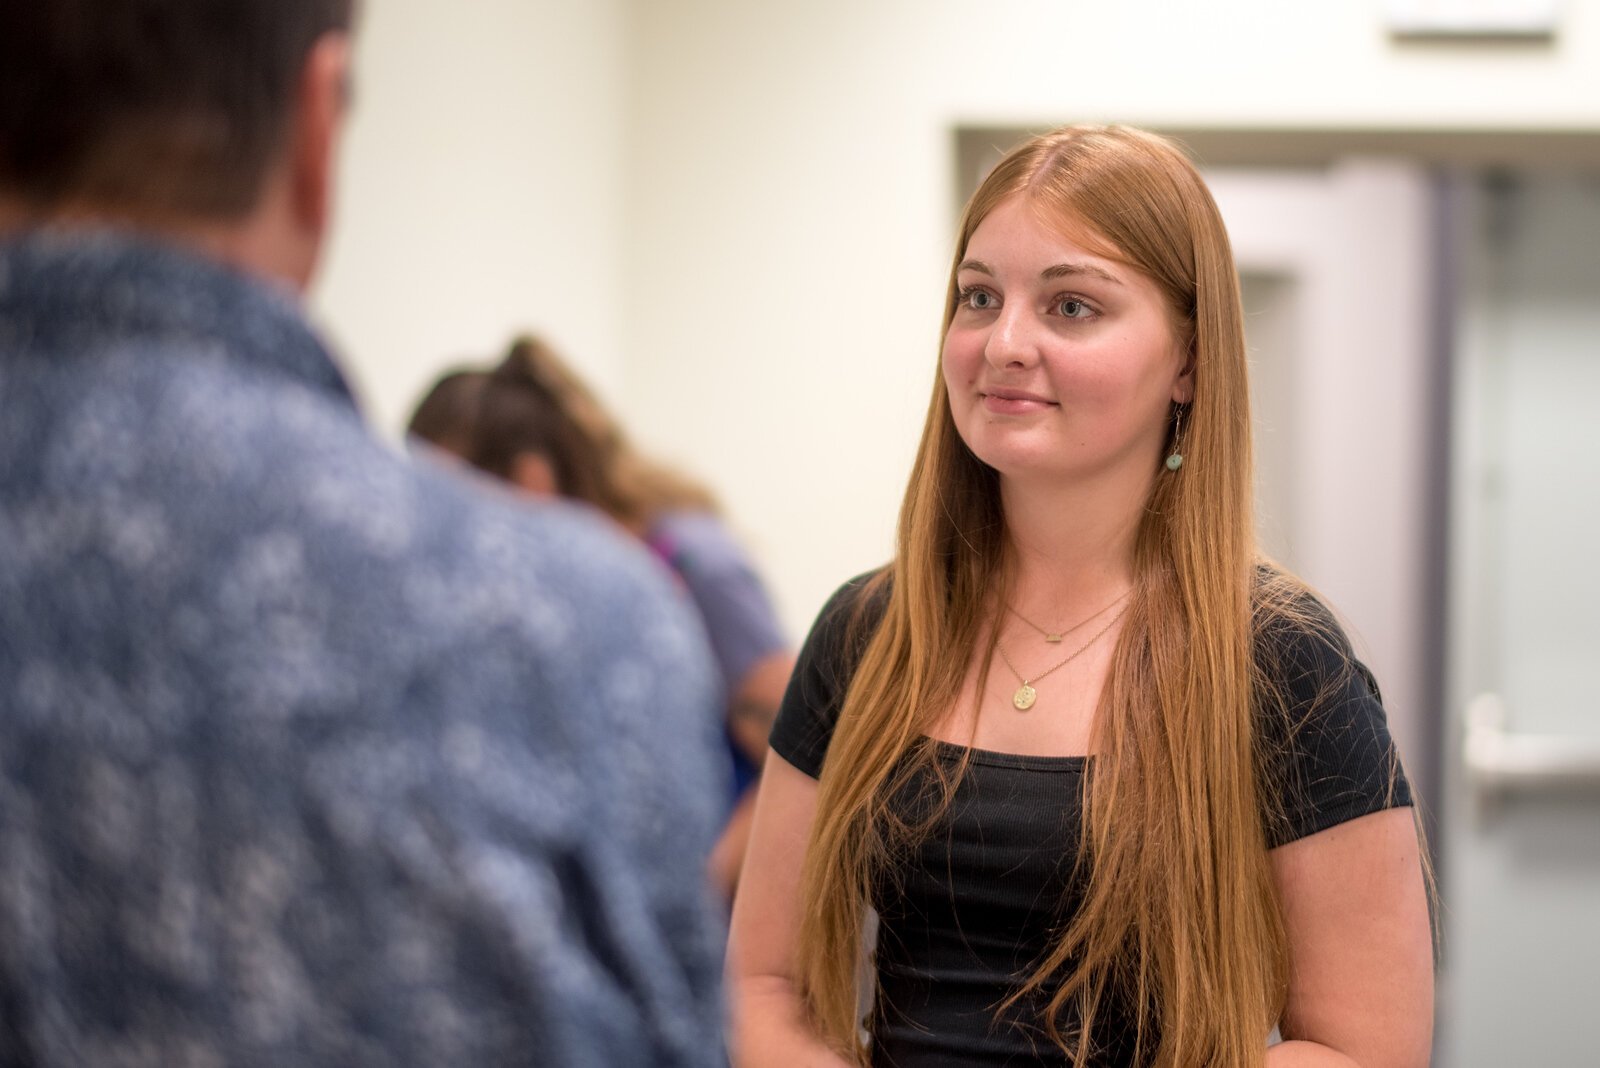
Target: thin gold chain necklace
[(1054, 637), (1025, 694)]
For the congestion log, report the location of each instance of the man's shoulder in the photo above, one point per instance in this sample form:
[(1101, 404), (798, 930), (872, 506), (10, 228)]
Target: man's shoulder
[(290, 517), (447, 556), (287, 455)]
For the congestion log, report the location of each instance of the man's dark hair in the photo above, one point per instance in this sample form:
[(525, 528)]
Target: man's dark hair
[(171, 106)]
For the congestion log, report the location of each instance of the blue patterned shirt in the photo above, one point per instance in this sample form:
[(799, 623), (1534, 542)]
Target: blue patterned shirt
[(311, 754)]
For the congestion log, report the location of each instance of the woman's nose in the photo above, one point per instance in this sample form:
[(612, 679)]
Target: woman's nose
[(1013, 341)]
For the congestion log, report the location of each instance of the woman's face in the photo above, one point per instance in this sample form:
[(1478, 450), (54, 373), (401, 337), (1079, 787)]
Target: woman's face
[(1061, 365)]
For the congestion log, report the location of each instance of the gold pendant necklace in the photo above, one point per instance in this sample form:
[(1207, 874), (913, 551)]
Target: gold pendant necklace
[(1025, 695)]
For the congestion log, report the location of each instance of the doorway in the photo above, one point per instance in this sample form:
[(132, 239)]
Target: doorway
[(1522, 920)]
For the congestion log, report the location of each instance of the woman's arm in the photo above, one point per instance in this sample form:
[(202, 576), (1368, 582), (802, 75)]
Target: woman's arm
[(769, 1020), (1360, 947)]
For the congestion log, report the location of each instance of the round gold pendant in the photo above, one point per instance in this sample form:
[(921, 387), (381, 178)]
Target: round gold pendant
[(1024, 697)]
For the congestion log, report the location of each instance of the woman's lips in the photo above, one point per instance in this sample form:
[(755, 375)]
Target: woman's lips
[(1014, 402)]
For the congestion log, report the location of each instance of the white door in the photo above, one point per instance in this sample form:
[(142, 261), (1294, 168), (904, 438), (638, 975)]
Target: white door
[(1335, 266), (1522, 841)]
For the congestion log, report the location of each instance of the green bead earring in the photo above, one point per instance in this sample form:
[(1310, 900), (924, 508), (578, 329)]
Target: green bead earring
[(1175, 460)]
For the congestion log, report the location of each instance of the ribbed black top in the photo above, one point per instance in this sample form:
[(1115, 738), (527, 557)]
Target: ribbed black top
[(973, 909)]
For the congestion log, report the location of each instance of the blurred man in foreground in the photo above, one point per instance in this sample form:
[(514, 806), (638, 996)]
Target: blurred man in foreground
[(307, 756)]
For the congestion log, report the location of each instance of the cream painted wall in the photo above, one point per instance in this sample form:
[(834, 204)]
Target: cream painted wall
[(790, 205), (481, 191)]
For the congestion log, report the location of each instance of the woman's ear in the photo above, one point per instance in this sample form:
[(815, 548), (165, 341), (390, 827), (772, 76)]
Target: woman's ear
[(1183, 387), (534, 474)]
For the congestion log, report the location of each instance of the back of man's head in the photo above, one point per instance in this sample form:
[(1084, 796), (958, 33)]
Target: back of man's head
[(167, 108)]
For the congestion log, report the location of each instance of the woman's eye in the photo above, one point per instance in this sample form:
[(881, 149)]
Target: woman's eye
[(978, 299), (1070, 308)]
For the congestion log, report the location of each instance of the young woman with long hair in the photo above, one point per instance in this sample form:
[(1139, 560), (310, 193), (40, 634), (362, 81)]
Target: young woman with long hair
[(1078, 777)]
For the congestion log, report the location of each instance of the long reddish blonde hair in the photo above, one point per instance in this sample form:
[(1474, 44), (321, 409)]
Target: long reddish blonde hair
[(1180, 916)]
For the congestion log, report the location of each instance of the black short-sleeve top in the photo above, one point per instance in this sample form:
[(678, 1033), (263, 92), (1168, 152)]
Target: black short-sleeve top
[(975, 904)]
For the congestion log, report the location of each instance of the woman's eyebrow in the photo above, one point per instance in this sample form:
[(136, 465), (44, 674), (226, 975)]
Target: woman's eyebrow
[(1066, 270), (1060, 270)]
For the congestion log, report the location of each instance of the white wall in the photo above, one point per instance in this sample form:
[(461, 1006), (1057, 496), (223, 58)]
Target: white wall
[(790, 208), (481, 191)]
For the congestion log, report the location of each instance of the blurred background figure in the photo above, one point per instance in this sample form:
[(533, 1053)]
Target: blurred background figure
[(309, 754), (533, 423)]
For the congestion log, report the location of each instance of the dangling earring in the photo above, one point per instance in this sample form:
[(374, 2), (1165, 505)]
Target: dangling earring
[(1175, 460)]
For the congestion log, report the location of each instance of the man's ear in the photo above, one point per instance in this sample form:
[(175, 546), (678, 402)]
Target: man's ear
[(534, 474), (315, 128)]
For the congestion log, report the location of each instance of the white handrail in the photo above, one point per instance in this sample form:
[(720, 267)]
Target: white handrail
[(1498, 759)]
